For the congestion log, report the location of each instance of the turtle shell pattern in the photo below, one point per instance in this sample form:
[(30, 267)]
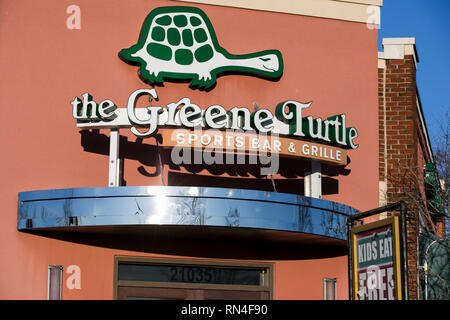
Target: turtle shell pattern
[(182, 37)]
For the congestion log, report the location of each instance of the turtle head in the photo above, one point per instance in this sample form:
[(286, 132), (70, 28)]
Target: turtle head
[(269, 63)]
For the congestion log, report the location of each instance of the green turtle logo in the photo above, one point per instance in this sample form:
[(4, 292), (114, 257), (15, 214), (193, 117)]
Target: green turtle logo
[(180, 43)]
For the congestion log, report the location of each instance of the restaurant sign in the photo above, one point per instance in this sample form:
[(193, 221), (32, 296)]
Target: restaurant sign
[(376, 268), (179, 43), (184, 114)]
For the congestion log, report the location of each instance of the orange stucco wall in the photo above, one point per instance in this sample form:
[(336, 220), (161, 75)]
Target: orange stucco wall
[(45, 65)]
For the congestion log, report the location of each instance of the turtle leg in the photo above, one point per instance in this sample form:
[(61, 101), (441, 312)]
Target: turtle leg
[(203, 81), (150, 75)]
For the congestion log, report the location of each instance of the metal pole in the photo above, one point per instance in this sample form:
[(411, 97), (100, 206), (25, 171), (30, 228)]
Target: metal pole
[(313, 181), (350, 253), (372, 212), (114, 160)]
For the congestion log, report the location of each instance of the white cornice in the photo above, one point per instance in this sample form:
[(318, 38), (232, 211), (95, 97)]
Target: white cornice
[(365, 11), (369, 2), (397, 48)]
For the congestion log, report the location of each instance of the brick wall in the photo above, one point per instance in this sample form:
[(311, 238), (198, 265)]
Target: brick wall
[(398, 142)]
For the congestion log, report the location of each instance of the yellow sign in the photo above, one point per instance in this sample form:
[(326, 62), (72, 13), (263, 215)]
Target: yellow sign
[(376, 267)]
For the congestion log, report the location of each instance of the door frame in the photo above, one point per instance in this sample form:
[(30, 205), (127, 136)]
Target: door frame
[(266, 287)]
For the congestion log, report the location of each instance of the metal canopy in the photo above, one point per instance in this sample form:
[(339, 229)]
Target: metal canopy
[(186, 212)]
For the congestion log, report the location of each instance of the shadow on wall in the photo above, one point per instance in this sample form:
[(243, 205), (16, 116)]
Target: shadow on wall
[(207, 242), (242, 176)]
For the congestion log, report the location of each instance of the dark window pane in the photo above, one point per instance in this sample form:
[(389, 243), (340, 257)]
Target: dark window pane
[(190, 274)]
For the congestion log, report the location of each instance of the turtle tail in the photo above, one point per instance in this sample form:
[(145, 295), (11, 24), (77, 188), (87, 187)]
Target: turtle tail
[(127, 56)]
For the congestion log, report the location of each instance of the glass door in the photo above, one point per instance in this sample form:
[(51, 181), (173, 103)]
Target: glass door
[(152, 278)]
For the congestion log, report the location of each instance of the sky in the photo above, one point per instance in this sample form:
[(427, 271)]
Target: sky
[(429, 22)]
